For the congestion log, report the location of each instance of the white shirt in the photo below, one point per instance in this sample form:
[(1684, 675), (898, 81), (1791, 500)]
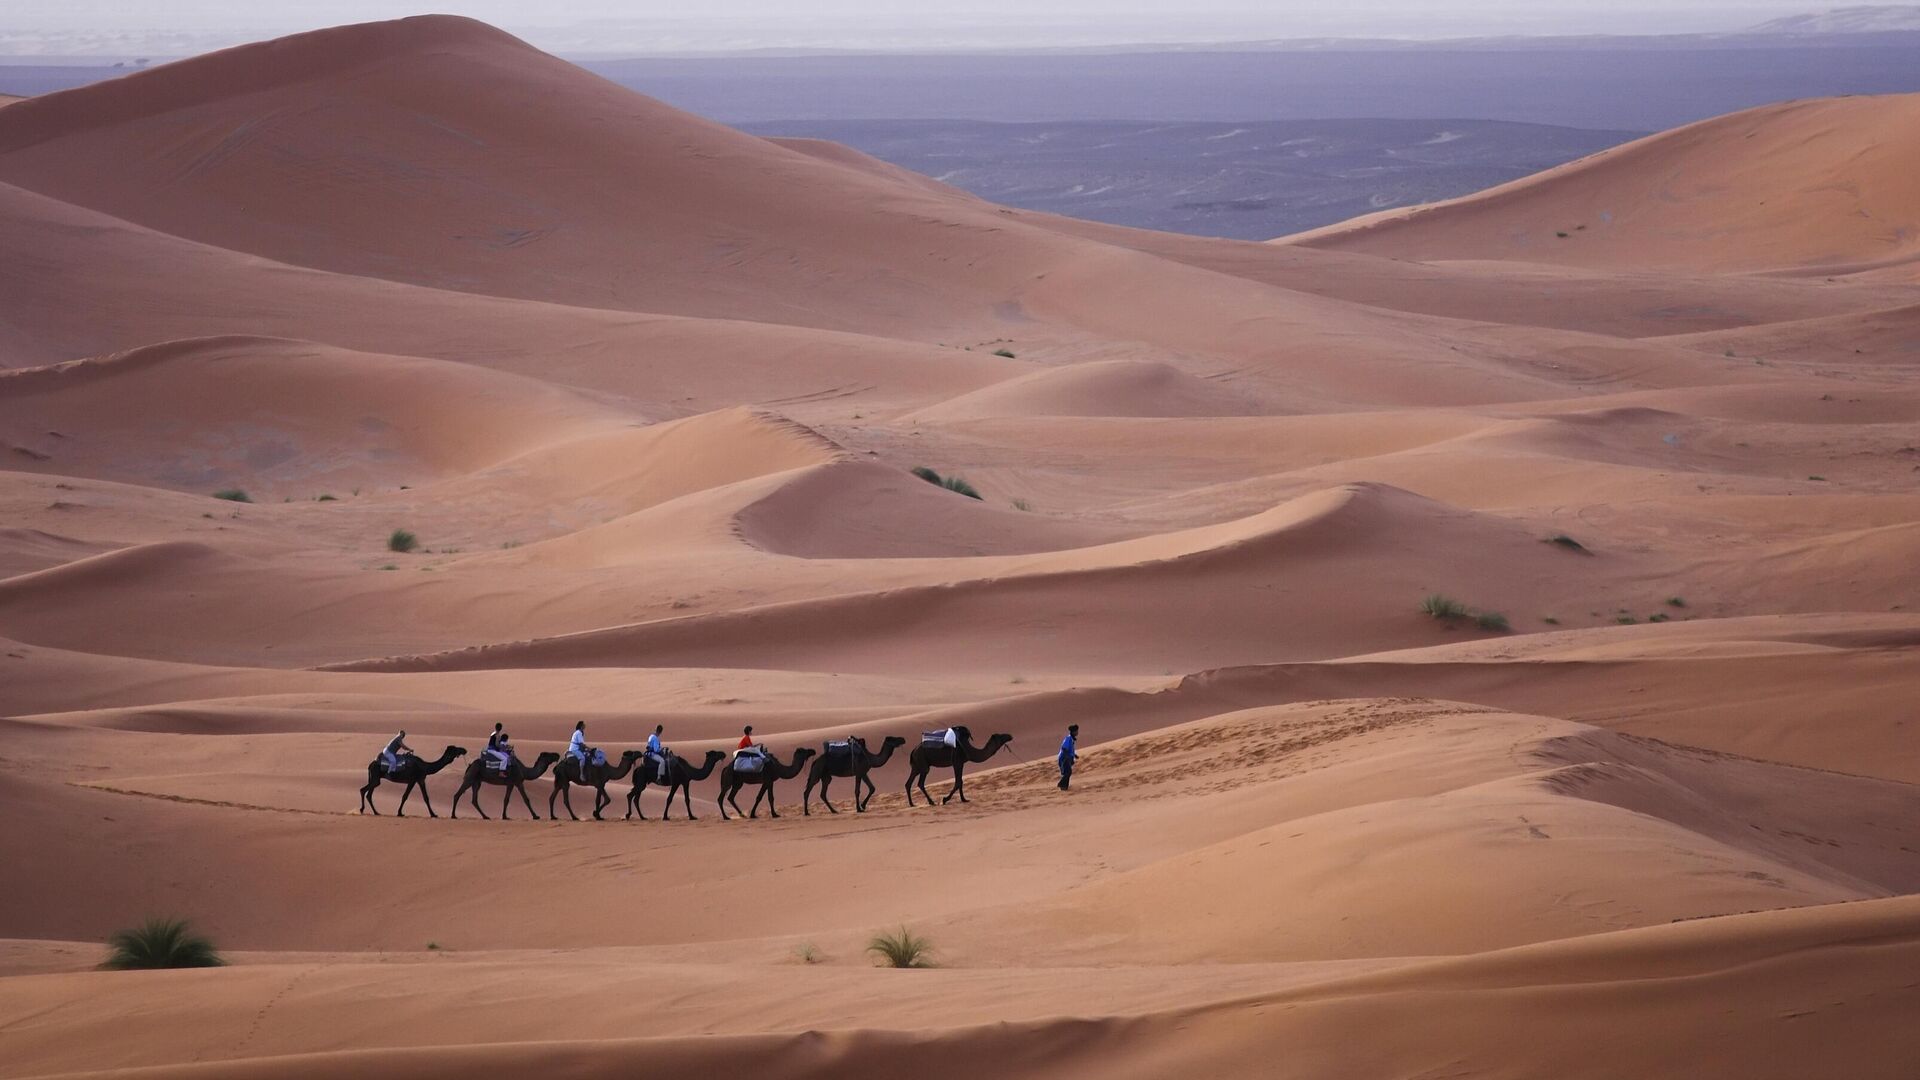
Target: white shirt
[(579, 744)]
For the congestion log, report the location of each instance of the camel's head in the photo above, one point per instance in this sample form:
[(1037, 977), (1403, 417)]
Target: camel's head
[(456, 751), (715, 756), (632, 756), (803, 754), (892, 740), (546, 758)]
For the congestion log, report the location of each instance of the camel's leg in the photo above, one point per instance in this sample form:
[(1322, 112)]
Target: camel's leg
[(909, 788), (686, 799), (773, 808), (405, 794), (506, 801), (565, 791), (633, 801), (757, 796), (806, 796), (473, 796), (826, 785), (923, 788), (428, 799), (733, 797), (366, 797), (859, 800), (528, 803)]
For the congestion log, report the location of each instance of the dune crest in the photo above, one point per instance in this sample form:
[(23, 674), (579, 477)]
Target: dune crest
[(1493, 651)]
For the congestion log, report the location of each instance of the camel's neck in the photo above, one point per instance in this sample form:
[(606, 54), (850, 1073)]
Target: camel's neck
[(875, 761), (703, 771), (981, 753), (445, 760)]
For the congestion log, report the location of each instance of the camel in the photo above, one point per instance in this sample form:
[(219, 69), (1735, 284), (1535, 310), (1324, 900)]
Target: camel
[(925, 758), (516, 778), (412, 772), (731, 782), (569, 772), (855, 764), (680, 777)]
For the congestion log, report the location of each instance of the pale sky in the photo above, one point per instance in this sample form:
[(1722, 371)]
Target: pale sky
[(83, 26)]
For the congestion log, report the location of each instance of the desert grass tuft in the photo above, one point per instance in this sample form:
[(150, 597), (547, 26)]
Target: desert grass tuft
[(902, 948), (160, 943)]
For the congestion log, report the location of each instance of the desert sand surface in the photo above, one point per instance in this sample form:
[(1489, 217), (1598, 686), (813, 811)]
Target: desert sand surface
[(649, 393)]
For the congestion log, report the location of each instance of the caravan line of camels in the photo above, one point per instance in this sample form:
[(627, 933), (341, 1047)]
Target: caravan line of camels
[(849, 758)]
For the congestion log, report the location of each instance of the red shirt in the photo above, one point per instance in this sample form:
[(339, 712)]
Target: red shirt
[(745, 741)]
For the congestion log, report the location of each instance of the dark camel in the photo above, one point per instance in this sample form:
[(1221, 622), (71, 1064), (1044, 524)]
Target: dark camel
[(925, 758), (569, 772), (516, 778), (731, 782), (680, 777), (855, 764), (412, 772)]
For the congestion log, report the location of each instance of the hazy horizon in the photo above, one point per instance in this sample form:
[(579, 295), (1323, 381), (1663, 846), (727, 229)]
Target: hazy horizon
[(104, 28)]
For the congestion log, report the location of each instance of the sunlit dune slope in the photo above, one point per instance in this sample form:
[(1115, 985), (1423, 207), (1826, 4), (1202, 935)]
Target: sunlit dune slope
[(1820, 185)]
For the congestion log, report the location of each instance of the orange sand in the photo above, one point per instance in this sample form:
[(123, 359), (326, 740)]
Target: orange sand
[(648, 390)]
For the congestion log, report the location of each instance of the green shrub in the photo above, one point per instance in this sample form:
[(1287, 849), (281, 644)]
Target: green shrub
[(326, 498), (1491, 620), (1550, 621), (160, 943), (1022, 505), (1443, 607), (902, 949), (1626, 620), (959, 486), (807, 953), (402, 541), (233, 495), (1676, 601), (1567, 542), (1004, 353), (926, 474)]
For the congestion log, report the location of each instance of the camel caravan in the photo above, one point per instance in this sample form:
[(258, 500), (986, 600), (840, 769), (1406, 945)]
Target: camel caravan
[(750, 765)]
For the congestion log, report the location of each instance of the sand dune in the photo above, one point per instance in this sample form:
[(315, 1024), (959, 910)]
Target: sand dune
[(1806, 185), (648, 394), (1107, 388)]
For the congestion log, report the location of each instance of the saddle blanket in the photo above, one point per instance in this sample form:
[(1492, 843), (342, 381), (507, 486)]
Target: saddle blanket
[(934, 738), (745, 762), (841, 748)]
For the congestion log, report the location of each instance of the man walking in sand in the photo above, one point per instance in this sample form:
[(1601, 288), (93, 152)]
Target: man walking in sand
[(1069, 753)]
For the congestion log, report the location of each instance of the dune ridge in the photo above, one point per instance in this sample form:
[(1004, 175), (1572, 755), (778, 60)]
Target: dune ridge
[(1492, 650)]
